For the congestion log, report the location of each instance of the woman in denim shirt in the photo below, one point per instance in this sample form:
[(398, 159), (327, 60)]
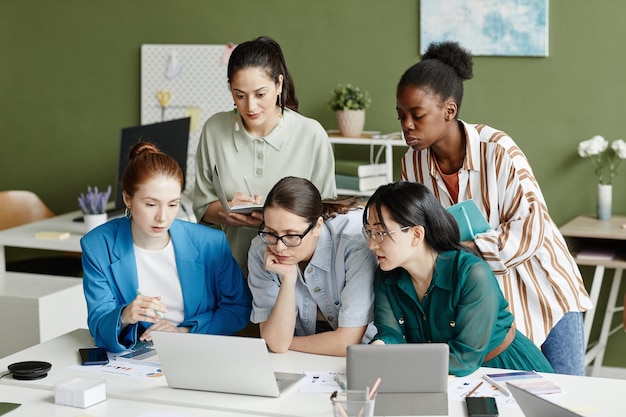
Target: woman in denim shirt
[(431, 288), (311, 272)]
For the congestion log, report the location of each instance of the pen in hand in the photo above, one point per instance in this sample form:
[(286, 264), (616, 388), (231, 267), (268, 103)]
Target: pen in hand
[(158, 313), (245, 180)]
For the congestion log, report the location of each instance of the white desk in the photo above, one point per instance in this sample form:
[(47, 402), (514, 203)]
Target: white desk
[(587, 232), (38, 307), (40, 402), (35, 308), (597, 396), (387, 143), (24, 236)]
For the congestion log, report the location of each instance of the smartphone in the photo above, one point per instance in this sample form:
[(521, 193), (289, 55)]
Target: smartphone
[(481, 406), (93, 356)]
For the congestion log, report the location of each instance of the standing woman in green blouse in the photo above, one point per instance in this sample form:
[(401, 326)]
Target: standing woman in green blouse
[(430, 288)]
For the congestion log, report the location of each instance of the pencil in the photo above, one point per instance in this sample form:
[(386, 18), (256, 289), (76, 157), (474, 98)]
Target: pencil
[(370, 394), (374, 388), (469, 394)]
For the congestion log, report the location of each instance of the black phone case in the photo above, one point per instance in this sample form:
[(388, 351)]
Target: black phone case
[(481, 407), (93, 356)]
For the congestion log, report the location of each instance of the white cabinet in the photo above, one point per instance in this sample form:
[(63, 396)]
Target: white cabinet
[(35, 308)]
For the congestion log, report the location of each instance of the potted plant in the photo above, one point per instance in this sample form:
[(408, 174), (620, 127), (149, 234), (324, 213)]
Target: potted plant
[(93, 205), (350, 102)]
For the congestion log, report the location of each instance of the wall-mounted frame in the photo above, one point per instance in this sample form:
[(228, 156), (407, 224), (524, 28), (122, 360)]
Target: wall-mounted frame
[(487, 27)]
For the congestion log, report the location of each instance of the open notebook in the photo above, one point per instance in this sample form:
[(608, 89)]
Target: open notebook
[(221, 194), (231, 364)]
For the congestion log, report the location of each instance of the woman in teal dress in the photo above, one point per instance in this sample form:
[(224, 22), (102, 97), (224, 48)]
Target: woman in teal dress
[(431, 288)]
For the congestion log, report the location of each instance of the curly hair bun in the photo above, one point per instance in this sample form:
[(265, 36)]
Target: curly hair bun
[(452, 54)]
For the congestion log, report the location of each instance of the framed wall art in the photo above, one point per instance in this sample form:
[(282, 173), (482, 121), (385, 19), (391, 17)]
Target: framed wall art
[(487, 27)]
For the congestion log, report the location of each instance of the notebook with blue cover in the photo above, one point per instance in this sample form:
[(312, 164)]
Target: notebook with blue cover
[(469, 218)]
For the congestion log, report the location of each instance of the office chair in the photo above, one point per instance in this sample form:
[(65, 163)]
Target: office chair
[(18, 207)]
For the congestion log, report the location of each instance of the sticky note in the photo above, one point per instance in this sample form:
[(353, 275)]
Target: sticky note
[(52, 235)]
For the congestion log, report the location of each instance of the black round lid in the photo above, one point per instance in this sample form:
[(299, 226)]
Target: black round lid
[(29, 370)]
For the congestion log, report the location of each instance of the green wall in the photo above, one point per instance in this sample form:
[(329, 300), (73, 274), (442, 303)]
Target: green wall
[(69, 80)]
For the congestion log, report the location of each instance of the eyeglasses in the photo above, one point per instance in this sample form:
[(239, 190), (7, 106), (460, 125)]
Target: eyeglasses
[(289, 240), (378, 236)]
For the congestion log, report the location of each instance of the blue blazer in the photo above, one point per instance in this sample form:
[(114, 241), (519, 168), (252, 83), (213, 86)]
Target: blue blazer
[(216, 297)]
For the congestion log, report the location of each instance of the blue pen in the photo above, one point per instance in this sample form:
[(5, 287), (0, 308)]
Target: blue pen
[(158, 313)]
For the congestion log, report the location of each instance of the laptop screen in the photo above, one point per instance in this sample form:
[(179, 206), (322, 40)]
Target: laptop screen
[(172, 137)]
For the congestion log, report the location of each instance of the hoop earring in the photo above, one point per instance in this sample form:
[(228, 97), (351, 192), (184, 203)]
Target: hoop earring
[(128, 213), (236, 119)]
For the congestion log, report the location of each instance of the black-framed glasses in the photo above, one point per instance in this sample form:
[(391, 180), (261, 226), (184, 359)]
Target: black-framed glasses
[(290, 240), (378, 236)]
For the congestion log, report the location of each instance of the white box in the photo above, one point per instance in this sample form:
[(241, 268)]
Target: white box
[(80, 392)]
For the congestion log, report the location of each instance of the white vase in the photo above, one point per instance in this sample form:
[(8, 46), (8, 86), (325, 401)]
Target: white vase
[(94, 220), (605, 197), (351, 122)]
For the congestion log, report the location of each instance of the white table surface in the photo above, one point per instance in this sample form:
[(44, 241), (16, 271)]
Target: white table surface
[(40, 402), (586, 395), (24, 236)]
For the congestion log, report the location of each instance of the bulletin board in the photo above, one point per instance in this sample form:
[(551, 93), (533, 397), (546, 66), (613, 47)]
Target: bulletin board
[(184, 81)]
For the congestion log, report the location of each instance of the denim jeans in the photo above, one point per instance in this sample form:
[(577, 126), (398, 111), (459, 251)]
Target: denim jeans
[(565, 346)]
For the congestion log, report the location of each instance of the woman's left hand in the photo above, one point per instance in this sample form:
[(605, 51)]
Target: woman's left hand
[(253, 219)]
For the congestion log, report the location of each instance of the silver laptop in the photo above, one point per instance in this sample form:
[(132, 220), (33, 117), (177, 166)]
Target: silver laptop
[(535, 406), (219, 189), (231, 364), (414, 376)]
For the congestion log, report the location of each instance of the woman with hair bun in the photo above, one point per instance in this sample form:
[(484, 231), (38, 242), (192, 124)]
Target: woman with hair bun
[(459, 161), (149, 271)]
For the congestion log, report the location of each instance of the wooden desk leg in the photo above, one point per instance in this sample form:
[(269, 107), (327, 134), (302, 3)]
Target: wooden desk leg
[(596, 285), (608, 320)]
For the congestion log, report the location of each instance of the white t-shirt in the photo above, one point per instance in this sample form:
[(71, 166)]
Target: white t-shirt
[(158, 276)]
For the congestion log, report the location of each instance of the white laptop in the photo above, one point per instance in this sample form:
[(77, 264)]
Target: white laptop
[(535, 406), (242, 209), (414, 376), (231, 364)]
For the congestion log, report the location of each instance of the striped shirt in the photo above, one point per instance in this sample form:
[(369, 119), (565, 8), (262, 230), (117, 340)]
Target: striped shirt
[(525, 250)]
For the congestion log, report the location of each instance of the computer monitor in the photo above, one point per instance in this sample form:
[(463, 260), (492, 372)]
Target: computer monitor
[(172, 137)]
